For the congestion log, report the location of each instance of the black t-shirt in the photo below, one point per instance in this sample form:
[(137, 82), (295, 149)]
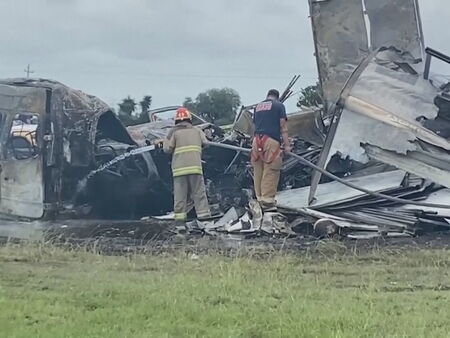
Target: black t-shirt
[(267, 118)]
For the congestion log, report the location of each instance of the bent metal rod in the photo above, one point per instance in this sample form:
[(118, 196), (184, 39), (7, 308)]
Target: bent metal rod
[(338, 179)]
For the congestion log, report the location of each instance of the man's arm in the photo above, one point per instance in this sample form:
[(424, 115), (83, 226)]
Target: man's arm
[(284, 129), (169, 143), (203, 138), (285, 135)]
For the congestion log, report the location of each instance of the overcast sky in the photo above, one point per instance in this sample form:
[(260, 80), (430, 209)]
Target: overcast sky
[(171, 49)]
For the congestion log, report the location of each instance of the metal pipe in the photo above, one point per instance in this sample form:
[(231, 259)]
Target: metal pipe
[(433, 53), (338, 179), (426, 73), (234, 160), (438, 55)]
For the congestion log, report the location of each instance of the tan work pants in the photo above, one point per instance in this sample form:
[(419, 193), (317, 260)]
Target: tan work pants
[(267, 167), (190, 188)]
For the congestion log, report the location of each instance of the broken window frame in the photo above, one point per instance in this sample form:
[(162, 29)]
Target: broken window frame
[(33, 138)]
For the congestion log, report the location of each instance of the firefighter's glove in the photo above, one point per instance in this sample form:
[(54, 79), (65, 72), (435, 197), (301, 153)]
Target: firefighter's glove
[(158, 143), (287, 148)]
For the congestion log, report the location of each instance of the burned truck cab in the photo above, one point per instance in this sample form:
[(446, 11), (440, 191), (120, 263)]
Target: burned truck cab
[(51, 138)]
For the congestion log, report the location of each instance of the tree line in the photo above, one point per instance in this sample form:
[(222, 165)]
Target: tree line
[(217, 106)]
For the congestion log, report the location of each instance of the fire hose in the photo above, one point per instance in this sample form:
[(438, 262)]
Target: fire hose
[(338, 179)]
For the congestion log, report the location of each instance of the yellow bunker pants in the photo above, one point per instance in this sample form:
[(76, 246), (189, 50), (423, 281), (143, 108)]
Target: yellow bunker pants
[(189, 188), (267, 161)]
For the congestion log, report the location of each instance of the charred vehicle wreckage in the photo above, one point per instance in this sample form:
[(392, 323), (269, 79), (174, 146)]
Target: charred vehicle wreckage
[(65, 155), (52, 137), (382, 133)]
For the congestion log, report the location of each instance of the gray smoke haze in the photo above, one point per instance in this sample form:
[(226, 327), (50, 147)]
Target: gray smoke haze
[(172, 48)]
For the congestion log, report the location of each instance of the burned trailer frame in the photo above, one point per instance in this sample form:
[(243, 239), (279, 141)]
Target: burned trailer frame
[(74, 134)]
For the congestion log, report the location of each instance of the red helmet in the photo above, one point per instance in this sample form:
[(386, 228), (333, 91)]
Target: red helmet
[(183, 115)]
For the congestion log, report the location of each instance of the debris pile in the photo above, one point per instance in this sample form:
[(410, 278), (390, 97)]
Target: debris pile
[(242, 223), (384, 128), (358, 215), (388, 130), (373, 161)]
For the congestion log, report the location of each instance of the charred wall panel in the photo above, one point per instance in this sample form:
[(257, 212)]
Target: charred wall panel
[(341, 42), (395, 23)]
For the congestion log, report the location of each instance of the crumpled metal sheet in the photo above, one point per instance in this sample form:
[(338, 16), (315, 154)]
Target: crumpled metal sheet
[(394, 98), (341, 42), (424, 165), (334, 192), (396, 89), (307, 125), (73, 100), (438, 197), (78, 112), (150, 131), (405, 95), (395, 23)]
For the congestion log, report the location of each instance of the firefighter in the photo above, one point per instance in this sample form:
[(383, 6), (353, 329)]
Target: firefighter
[(185, 143), (271, 133)]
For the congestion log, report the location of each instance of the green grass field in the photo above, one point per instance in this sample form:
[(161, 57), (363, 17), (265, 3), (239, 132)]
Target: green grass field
[(49, 292)]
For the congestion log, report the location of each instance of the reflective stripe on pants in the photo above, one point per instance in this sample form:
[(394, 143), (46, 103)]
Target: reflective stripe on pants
[(182, 216), (194, 170)]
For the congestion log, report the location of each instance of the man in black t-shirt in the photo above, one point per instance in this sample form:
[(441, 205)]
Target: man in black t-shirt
[(270, 132)]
